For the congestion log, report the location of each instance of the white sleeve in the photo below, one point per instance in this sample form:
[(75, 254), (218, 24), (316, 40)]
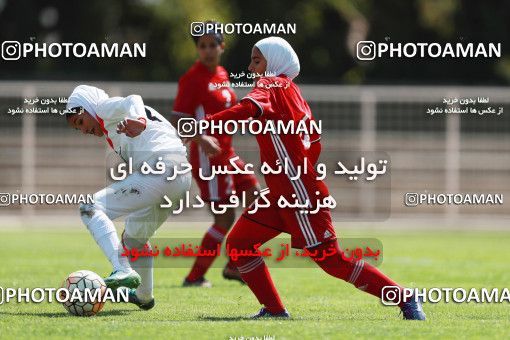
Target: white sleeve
[(118, 108)]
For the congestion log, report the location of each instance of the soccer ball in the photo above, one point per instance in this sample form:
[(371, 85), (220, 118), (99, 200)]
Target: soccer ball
[(90, 301)]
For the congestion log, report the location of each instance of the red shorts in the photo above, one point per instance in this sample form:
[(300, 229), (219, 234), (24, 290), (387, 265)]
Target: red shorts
[(306, 230), (220, 188)]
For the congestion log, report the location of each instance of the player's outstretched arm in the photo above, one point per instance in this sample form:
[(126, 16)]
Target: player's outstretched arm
[(246, 109)]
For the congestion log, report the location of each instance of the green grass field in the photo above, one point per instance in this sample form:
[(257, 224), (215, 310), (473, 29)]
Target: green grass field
[(321, 306)]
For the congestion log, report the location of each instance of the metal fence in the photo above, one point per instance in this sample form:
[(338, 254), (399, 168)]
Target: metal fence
[(440, 153)]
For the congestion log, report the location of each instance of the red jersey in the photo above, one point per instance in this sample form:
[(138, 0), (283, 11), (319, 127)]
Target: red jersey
[(286, 104), (198, 97)]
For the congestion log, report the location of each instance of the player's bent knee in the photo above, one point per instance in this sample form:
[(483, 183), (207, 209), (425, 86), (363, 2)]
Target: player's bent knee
[(336, 265), (139, 243), (89, 215), (226, 220), (87, 210)]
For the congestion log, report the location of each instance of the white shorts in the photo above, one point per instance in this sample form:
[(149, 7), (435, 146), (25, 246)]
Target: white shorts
[(138, 197)]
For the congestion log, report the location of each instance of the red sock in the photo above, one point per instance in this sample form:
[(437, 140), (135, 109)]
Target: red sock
[(254, 271), (256, 275), (359, 273), (212, 238)]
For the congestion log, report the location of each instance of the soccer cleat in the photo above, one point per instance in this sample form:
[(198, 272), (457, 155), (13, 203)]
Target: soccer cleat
[(232, 274), (201, 282), (264, 313), (133, 298), (413, 309), (119, 278)]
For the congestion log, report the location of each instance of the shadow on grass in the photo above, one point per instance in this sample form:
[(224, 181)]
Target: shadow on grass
[(224, 318), (67, 315), (238, 318)]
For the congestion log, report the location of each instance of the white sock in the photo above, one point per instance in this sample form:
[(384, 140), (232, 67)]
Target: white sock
[(103, 231), (144, 266)]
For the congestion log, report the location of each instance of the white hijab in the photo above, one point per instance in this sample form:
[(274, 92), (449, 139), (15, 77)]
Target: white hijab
[(281, 58), (87, 97)]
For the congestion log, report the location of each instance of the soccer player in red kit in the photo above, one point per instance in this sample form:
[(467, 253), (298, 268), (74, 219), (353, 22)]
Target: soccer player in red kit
[(198, 97), (313, 230)]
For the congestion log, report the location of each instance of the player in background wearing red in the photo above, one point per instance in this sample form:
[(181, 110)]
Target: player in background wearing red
[(198, 98), (311, 231)]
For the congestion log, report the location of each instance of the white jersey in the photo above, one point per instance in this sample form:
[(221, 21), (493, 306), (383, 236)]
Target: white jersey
[(159, 136)]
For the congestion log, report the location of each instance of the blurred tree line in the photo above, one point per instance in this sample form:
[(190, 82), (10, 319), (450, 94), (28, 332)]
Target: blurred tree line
[(327, 32)]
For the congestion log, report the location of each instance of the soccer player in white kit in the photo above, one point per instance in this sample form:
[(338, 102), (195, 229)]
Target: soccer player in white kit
[(139, 132)]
